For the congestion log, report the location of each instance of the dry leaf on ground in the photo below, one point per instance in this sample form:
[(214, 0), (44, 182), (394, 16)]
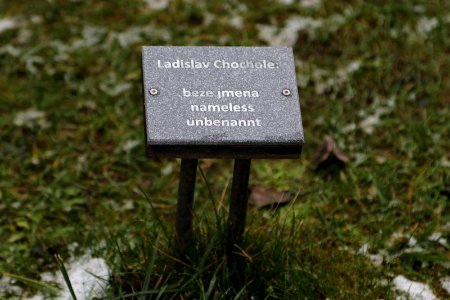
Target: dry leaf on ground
[(262, 197), (327, 151)]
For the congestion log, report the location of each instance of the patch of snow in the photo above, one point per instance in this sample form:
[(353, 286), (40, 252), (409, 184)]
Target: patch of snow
[(285, 1), (447, 19), (102, 38), (129, 37), (446, 227), (128, 205), (437, 237), (369, 123), (349, 128), (426, 25), (353, 66), (268, 34), (87, 275), (31, 62), (24, 36), (134, 35), (413, 289), (7, 285), (412, 242), (11, 50), (445, 283), (16, 204), (61, 49), (344, 73), (208, 18), (397, 236), (363, 250), (376, 259), (419, 9), (380, 159), (237, 22), (36, 19), (380, 107), (310, 3), (72, 247), (6, 24), (333, 81), (359, 158), (415, 249), (81, 162), (445, 162), (130, 145), (336, 21), (117, 89), (167, 170), (288, 35), (30, 118), (300, 23), (157, 4), (91, 36), (346, 248)]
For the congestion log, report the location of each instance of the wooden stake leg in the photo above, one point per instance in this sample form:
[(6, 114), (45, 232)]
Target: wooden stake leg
[(238, 202), (186, 190)]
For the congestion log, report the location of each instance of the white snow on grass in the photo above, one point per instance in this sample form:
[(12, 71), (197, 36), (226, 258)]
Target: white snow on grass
[(157, 4), (88, 277), (6, 286), (413, 289), (130, 145), (30, 118), (445, 283), (288, 35), (328, 81), (6, 24), (11, 50), (237, 22), (117, 90), (437, 237), (375, 259), (310, 3), (371, 117), (285, 1), (333, 83), (90, 36), (426, 25)]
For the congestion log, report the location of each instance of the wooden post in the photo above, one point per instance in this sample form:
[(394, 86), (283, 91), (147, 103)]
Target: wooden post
[(186, 189), (238, 202)]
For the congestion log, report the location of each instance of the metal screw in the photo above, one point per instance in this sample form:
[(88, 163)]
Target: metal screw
[(286, 92), (153, 92)]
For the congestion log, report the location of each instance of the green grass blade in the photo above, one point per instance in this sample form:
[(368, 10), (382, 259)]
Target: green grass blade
[(149, 270), (39, 285), (211, 197), (63, 270)]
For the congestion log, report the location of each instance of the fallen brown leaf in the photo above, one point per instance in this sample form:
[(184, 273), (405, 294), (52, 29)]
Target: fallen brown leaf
[(327, 151), (262, 197)]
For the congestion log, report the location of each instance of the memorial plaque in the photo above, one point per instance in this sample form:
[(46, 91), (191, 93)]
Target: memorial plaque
[(221, 102)]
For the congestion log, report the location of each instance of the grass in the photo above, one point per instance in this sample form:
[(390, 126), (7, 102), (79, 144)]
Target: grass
[(373, 75), (292, 265)]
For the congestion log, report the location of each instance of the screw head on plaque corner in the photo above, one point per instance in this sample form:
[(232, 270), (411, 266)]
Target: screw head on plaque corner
[(153, 91), (286, 92)]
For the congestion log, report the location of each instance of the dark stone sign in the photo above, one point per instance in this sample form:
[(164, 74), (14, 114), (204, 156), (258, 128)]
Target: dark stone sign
[(220, 102), (235, 102)]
